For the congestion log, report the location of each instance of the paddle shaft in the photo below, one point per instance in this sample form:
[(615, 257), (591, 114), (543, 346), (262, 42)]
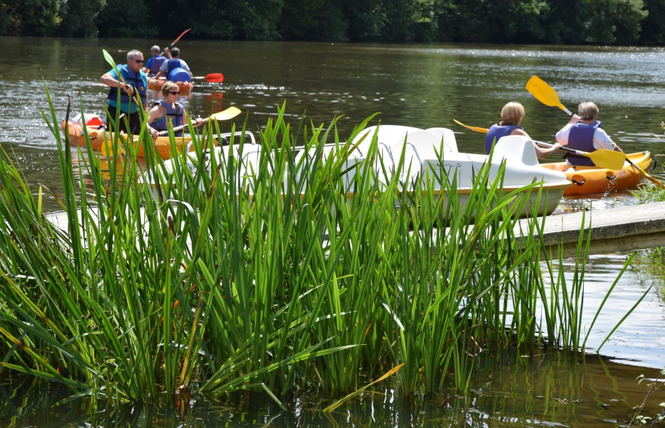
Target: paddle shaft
[(227, 114), (540, 143), (565, 148), (181, 127)]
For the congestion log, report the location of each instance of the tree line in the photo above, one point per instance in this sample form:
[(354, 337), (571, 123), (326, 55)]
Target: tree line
[(606, 22)]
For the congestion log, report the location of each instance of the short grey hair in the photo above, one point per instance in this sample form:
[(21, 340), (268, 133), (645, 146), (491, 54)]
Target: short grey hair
[(155, 48), (133, 53), (587, 110)]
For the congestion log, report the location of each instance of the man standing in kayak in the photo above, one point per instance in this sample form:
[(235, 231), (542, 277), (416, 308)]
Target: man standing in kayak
[(129, 88), (583, 132)]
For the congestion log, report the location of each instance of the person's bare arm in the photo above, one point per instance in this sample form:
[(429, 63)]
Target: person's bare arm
[(110, 81)]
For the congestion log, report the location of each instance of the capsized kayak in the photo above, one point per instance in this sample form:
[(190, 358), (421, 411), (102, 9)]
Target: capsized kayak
[(590, 179), (98, 135)]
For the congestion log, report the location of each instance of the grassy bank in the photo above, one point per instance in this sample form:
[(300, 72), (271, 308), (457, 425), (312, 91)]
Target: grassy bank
[(192, 285)]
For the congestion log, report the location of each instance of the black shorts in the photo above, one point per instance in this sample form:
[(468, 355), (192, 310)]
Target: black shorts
[(133, 119)]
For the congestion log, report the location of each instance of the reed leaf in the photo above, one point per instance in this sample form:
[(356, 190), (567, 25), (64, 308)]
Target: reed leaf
[(298, 271)]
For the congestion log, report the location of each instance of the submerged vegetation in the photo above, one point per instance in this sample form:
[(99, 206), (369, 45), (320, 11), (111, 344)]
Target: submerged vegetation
[(154, 290)]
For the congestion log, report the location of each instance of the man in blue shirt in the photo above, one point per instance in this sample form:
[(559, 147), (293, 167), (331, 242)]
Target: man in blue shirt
[(154, 62), (129, 89)]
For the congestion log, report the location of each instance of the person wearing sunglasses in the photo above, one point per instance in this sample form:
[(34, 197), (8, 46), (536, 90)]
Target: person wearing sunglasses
[(127, 93), (168, 110)]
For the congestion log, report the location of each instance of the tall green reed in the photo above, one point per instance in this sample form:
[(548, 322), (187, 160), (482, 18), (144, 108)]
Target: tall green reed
[(287, 277)]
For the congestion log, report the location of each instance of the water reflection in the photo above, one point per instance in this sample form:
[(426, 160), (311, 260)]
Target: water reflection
[(533, 390)]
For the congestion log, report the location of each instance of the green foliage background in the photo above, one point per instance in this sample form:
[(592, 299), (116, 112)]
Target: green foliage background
[(609, 22)]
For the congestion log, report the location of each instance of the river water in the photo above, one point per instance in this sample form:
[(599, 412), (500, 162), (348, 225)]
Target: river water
[(415, 85)]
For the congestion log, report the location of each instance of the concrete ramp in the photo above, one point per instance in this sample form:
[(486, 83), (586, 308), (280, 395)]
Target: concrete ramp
[(625, 228)]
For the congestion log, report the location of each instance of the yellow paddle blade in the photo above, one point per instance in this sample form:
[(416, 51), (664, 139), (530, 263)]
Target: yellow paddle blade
[(227, 114), (473, 128), (545, 93), (609, 159), (646, 175)]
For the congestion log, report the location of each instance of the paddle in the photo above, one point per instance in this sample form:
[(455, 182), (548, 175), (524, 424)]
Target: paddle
[(603, 158), (545, 93), (548, 96), (227, 114), (473, 128), (177, 39), (212, 77)]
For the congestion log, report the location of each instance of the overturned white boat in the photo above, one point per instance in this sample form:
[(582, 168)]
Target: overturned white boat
[(420, 160)]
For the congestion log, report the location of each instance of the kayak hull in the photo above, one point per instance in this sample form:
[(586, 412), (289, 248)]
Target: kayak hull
[(101, 140), (156, 84), (591, 180)]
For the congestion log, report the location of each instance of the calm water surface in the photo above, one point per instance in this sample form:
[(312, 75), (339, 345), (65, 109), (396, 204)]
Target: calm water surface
[(415, 85)]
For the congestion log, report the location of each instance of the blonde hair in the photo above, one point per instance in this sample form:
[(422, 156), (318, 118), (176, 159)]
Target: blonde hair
[(512, 114), (169, 87), (587, 110)]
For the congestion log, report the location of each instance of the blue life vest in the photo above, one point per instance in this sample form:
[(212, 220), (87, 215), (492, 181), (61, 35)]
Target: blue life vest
[(173, 63), (154, 63), (176, 117), (495, 133), (581, 138), (137, 80)]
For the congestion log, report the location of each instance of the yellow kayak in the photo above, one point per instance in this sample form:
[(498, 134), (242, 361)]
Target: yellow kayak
[(98, 135), (94, 128)]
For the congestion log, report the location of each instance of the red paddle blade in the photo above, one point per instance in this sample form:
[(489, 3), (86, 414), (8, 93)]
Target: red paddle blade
[(214, 77), (179, 37)]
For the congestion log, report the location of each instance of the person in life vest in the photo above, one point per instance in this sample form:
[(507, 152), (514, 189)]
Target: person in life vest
[(511, 124), (584, 132), (154, 63), (173, 63), (168, 110), (127, 93)]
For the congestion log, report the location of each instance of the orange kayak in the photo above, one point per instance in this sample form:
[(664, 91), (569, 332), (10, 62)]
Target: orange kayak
[(589, 179), (156, 84)]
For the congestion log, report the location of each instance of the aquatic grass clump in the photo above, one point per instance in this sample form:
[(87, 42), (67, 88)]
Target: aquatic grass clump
[(302, 272)]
